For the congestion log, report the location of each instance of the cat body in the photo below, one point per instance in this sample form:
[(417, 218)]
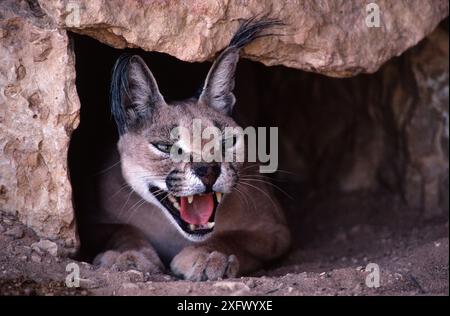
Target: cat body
[(204, 219)]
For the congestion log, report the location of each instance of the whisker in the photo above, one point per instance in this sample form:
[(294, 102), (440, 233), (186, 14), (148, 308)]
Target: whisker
[(149, 177), (133, 207), (273, 185), (164, 197), (246, 193), (276, 171), (260, 190), (125, 185), (241, 197), (248, 167), (147, 173), (287, 172), (257, 176), (245, 196), (106, 169), (158, 193), (124, 204), (135, 210), (138, 204)]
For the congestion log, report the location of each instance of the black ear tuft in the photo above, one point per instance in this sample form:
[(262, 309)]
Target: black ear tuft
[(118, 76), (219, 84), (251, 30), (134, 93)]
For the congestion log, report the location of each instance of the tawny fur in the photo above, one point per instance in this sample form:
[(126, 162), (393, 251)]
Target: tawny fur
[(250, 227)]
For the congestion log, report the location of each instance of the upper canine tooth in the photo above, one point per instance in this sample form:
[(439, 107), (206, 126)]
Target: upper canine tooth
[(190, 199), (219, 196)]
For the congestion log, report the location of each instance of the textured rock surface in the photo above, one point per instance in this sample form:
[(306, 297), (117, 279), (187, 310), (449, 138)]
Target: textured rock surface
[(38, 110), (329, 37)]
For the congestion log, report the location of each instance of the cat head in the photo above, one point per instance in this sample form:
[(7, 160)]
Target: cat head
[(155, 134)]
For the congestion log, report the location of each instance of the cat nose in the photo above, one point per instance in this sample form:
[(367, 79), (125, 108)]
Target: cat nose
[(207, 173)]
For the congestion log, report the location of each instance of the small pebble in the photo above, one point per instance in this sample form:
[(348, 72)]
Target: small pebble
[(149, 286), (231, 286), (86, 265), (36, 258), (135, 276), (251, 283), (46, 246), (130, 286)]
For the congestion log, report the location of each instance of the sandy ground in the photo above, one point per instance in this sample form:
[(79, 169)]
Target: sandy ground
[(411, 261)]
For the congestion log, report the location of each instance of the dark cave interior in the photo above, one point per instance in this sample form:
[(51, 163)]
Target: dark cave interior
[(341, 154)]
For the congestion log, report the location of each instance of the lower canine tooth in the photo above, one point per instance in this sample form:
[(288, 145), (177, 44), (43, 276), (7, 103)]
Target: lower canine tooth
[(219, 196), (211, 225), (191, 226)]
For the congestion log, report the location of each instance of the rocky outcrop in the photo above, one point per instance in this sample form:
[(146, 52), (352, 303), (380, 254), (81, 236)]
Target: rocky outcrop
[(328, 37), (39, 109)]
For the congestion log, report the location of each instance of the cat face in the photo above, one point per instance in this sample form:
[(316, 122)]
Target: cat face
[(161, 158), (189, 189)]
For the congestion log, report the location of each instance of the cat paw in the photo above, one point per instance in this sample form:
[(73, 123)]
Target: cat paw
[(201, 264), (143, 260)]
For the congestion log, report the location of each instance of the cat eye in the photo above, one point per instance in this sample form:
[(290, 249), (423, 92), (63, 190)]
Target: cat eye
[(229, 142), (165, 148)]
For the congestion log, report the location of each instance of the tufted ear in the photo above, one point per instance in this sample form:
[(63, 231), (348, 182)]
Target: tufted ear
[(134, 93), (219, 84)]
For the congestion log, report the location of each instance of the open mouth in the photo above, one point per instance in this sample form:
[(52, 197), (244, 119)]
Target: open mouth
[(194, 213)]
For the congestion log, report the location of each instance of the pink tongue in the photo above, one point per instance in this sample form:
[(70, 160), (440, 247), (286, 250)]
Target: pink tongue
[(199, 211)]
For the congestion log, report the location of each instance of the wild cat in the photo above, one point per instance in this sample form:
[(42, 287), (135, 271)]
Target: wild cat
[(204, 220)]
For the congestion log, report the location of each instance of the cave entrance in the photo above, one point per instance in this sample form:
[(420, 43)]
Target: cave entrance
[(344, 159)]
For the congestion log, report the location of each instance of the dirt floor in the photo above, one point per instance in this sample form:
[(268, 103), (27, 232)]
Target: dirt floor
[(413, 260)]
